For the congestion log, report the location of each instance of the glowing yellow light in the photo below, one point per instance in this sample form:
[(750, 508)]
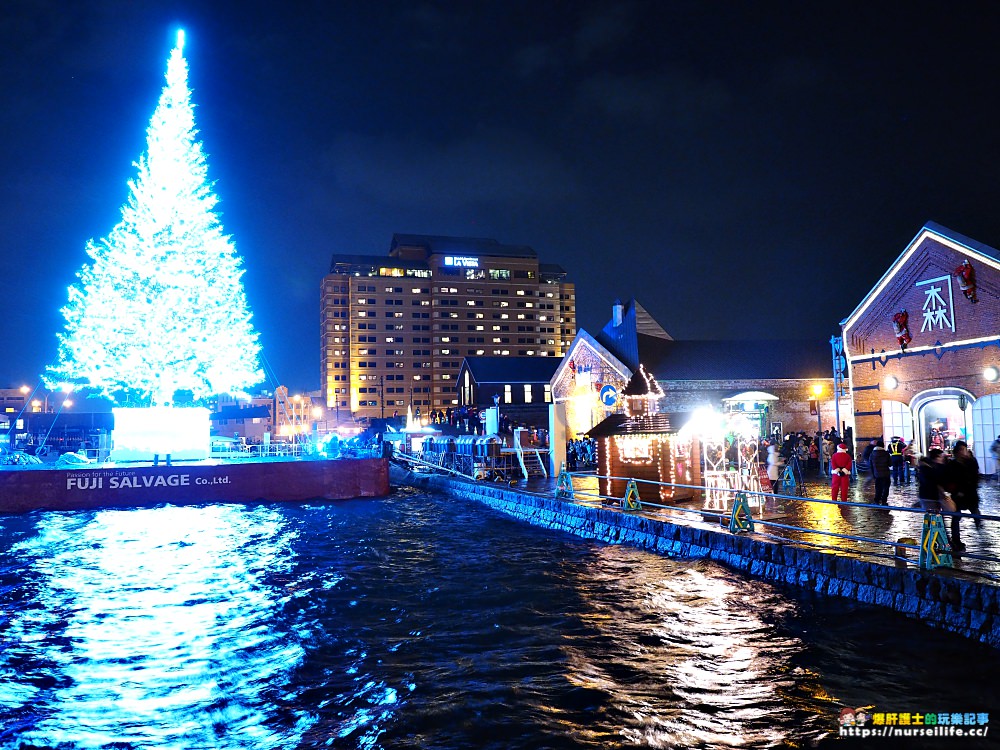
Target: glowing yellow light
[(705, 423), (817, 389)]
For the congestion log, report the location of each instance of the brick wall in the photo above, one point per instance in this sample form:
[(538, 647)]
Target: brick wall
[(791, 408), (937, 357), (932, 258)]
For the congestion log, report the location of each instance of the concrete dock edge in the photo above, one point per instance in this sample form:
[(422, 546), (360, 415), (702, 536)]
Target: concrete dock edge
[(966, 607)]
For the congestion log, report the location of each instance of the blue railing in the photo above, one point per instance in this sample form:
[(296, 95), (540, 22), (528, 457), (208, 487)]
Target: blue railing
[(575, 494)]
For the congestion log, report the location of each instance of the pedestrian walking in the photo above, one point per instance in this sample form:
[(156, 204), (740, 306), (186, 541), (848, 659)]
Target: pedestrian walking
[(931, 483), (840, 470), (878, 459), (827, 447), (995, 450), (963, 478), (772, 465), (867, 453), (897, 446)]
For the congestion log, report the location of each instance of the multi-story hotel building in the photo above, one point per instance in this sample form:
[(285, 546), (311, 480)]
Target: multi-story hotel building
[(395, 329)]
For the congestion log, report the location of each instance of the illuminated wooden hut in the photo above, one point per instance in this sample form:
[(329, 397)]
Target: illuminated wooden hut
[(646, 444)]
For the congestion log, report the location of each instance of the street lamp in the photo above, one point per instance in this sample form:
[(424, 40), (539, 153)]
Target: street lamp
[(817, 391)]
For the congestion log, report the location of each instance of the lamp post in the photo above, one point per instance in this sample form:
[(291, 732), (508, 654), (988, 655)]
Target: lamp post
[(817, 391)]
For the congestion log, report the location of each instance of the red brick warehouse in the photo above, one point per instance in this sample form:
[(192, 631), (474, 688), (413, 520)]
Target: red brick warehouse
[(923, 347)]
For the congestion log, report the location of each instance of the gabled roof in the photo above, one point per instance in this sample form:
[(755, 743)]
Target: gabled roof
[(511, 369), (648, 424), (643, 384), (949, 237), (478, 246), (736, 360), (583, 338)]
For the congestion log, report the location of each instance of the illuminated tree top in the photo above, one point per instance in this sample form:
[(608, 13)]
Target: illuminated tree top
[(161, 306)]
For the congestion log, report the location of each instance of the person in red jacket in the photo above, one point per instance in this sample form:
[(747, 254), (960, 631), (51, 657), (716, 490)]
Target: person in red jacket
[(840, 470)]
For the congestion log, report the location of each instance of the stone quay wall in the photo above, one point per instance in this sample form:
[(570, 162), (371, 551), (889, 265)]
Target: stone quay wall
[(966, 607)]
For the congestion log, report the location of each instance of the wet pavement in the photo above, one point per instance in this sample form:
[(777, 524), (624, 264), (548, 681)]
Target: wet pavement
[(816, 521)]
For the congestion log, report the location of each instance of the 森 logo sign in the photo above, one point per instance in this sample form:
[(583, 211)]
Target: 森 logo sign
[(939, 303)]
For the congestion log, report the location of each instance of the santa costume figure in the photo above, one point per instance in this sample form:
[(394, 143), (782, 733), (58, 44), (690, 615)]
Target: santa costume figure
[(901, 327), (840, 470), (966, 275)]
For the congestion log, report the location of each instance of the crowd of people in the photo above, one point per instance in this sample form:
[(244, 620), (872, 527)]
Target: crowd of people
[(805, 452), (946, 481), (581, 454), (950, 484)]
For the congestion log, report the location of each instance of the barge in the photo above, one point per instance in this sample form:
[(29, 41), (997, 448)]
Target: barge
[(90, 486)]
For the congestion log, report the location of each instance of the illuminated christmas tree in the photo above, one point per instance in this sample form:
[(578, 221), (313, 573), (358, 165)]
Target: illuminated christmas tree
[(161, 308)]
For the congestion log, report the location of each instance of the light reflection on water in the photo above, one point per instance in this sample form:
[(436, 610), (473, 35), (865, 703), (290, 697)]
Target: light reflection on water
[(158, 628), (419, 622), (692, 634)]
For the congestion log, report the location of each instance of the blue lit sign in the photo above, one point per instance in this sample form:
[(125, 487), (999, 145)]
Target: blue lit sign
[(609, 395), (461, 261)]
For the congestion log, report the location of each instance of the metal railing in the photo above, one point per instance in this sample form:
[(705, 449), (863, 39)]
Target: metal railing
[(770, 499)]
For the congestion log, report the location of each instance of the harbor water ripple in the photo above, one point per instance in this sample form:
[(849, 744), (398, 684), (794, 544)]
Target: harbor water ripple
[(417, 621)]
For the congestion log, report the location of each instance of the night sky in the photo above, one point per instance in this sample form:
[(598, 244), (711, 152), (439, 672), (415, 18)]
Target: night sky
[(744, 169)]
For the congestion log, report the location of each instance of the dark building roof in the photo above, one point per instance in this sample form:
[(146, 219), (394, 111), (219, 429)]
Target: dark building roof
[(622, 340), (348, 264), (551, 269), (930, 226), (961, 239), (511, 369), (478, 246), (648, 424), (103, 420), (235, 412), (735, 360)]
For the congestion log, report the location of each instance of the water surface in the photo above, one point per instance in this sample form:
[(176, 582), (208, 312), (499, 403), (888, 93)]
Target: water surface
[(420, 622)]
